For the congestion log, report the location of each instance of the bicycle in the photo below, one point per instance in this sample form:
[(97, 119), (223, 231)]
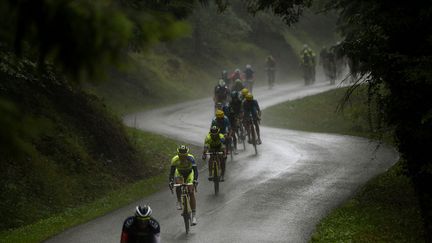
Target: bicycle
[(185, 201), (251, 133), (215, 164), (240, 132)]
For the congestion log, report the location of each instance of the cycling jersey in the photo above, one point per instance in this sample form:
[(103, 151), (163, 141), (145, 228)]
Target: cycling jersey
[(217, 144), (251, 108), (249, 73), (186, 168), (235, 106), (132, 232), (223, 124), (221, 93)]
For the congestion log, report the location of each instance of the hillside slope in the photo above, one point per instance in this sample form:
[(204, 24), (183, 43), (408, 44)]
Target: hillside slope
[(190, 66)]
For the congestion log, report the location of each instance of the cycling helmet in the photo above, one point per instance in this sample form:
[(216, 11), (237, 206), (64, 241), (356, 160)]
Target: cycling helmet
[(244, 91), (182, 150), (214, 130), (220, 114), (248, 66), (249, 96), (234, 94), (224, 72), (219, 105), (221, 82), (237, 70), (143, 213)]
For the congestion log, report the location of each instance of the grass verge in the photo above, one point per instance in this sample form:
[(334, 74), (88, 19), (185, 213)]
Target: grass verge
[(386, 209), (152, 147)]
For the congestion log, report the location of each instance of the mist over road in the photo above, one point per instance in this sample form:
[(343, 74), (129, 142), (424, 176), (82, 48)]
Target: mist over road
[(277, 196)]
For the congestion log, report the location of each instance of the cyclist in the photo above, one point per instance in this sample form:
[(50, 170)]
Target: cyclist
[(141, 227), (252, 113), (221, 92), (233, 114), (184, 170), (249, 77), (244, 92), (224, 77), (215, 142), (222, 122), (308, 62), (222, 107), (270, 68), (236, 75), (238, 85)]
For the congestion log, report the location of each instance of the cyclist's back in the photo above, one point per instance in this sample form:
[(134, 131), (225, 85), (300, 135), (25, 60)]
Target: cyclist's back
[(141, 227)]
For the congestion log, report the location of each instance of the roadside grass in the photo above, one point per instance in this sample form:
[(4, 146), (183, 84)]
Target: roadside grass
[(153, 148), (386, 209), (319, 113)]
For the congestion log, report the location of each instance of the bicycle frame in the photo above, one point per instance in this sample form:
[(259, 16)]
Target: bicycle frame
[(185, 200), (215, 167)]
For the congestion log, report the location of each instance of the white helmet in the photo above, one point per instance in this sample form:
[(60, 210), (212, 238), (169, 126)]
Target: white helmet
[(143, 212), (221, 82), (248, 66)]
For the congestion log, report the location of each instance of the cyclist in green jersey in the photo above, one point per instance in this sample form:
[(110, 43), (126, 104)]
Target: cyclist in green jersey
[(215, 142), (184, 170)]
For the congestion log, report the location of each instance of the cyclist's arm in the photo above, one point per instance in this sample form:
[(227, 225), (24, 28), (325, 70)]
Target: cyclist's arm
[(194, 167), (173, 168), (125, 230), (195, 170), (124, 237), (172, 171), (258, 108)]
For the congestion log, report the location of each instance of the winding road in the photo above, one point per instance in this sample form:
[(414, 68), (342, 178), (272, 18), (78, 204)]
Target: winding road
[(277, 196)]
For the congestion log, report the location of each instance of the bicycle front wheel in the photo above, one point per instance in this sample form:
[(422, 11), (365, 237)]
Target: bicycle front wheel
[(216, 176), (186, 214)]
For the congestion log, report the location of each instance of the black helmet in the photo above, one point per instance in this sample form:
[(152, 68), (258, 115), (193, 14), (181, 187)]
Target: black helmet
[(182, 149), (214, 130), (143, 213)]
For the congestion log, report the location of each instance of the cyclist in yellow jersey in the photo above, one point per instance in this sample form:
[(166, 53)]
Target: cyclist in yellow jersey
[(184, 170), (215, 142)]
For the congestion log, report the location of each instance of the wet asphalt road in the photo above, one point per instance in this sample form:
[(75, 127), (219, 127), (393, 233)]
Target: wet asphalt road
[(277, 196)]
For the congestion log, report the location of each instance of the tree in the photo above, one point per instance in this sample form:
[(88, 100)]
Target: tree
[(390, 44)]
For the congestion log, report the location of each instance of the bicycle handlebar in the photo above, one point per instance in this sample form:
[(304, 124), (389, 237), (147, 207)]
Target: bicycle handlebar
[(184, 184), (214, 153)]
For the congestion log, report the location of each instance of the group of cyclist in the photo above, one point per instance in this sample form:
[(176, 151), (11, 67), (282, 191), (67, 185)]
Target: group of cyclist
[(234, 107)]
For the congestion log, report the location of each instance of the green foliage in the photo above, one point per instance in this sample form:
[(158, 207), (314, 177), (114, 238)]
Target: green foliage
[(385, 210), (389, 43), (69, 217), (82, 37)]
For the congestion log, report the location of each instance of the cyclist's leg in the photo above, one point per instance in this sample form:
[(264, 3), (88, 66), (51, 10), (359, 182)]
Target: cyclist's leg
[(191, 189), (255, 121), (223, 162), (234, 137), (178, 180), (210, 167), (246, 125)]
